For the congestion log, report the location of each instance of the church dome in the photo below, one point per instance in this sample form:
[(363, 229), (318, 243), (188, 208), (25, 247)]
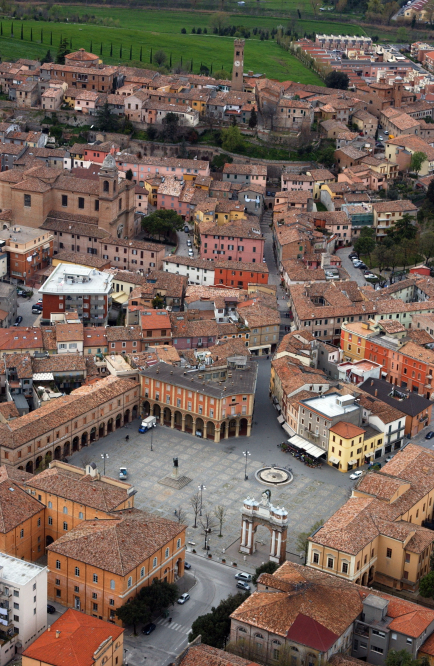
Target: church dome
[(109, 162)]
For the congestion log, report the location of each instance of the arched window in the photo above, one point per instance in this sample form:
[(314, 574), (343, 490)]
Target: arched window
[(112, 584), (50, 505), (166, 554), (178, 543), (154, 562), (242, 629), (57, 564), (294, 648), (114, 186), (130, 581), (65, 509), (142, 572), (105, 186), (80, 515), (259, 636), (277, 642)]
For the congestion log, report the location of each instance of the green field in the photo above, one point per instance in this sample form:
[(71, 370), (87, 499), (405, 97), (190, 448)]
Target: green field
[(152, 29)]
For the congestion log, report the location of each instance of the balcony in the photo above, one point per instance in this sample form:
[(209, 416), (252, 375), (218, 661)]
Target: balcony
[(361, 630)]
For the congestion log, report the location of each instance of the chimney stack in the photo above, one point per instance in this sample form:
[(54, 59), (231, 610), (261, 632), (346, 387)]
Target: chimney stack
[(57, 634), (376, 391)]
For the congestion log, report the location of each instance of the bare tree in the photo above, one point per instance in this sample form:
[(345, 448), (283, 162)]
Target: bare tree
[(315, 5), (220, 514), (180, 515), (195, 505), (208, 524), (268, 112)]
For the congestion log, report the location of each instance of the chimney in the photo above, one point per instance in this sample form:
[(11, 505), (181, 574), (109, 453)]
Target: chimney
[(309, 205), (372, 382), (49, 627), (57, 634), (376, 391)]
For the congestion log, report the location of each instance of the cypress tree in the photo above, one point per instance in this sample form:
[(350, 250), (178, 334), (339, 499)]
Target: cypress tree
[(191, 65), (90, 48), (150, 59), (100, 52), (22, 33), (181, 61), (210, 70), (70, 43), (140, 54), (12, 29), (131, 52), (170, 63), (120, 52), (31, 34), (51, 40), (111, 49), (42, 38), (1, 29)]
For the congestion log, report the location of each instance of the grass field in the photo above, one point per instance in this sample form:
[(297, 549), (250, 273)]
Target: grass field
[(152, 29)]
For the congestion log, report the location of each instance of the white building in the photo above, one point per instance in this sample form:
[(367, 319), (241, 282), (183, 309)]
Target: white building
[(23, 604), (197, 271)]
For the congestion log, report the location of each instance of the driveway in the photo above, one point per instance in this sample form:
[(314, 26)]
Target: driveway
[(354, 273), (25, 309)]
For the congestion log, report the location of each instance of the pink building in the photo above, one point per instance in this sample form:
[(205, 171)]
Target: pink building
[(145, 167), (240, 240), (293, 181)]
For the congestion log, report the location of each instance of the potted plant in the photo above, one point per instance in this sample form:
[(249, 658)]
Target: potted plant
[(234, 564), (223, 560), (194, 550)]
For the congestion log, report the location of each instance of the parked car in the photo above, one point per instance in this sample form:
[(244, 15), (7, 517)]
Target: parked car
[(50, 609), (187, 565), (21, 292), (386, 131), (356, 474), (123, 473), (369, 276), (362, 267), (353, 255), (18, 320), (36, 309), (243, 586), (183, 598), (186, 229), (241, 575), (389, 458), (149, 628), (189, 243), (357, 264), (381, 138), (429, 435)]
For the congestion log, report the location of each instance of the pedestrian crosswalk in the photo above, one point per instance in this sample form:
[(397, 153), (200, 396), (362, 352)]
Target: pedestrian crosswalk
[(182, 629)]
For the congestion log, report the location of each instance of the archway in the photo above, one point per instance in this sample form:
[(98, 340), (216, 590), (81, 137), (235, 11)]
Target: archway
[(146, 408), (223, 430), (84, 439), (243, 428), (29, 467), (178, 420), (135, 410), (48, 458), (101, 430), (110, 425), (276, 522), (179, 568), (365, 579), (167, 417), (67, 449), (75, 443), (371, 574), (48, 541), (210, 430), (188, 423), (21, 467), (157, 412), (127, 417), (166, 574), (38, 462), (93, 434), (118, 422), (57, 452), (232, 427), (199, 427)]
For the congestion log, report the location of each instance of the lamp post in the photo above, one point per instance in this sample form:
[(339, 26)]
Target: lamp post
[(152, 433), (125, 657), (201, 488), (246, 454), (104, 456)]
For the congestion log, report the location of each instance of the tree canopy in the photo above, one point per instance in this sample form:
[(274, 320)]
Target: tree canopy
[(232, 139), (62, 51), (403, 229), (365, 244), (106, 120), (214, 627), (302, 542), (162, 223), (337, 80), (417, 159), (150, 600), (267, 567)]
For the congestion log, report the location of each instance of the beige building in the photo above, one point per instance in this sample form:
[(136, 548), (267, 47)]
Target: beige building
[(378, 535)]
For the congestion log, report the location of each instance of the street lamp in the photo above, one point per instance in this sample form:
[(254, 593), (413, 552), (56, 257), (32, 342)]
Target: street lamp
[(206, 547), (201, 488), (246, 454), (152, 433), (125, 657), (104, 456)]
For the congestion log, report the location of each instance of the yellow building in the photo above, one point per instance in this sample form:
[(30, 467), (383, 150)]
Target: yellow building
[(377, 535), (349, 444), (353, 340)]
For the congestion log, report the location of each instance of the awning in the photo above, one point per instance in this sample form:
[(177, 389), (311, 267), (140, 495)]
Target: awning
[(368, 455), (119, 296), (310, 449), (333, 460), (352, 462), (313, 450), (43, 377), (287, 429), (280, 419), (384, 373)]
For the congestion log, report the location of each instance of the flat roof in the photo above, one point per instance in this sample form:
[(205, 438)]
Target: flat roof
[(25, 234), (74, 279), (17, 571), (118, 362), (329, 406)]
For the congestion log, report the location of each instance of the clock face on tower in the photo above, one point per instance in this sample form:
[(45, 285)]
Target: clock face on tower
[(237, 63)]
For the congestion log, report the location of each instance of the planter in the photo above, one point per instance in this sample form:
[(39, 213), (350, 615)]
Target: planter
[(234, 564), (209, 555), (194, 550), (223, 560)]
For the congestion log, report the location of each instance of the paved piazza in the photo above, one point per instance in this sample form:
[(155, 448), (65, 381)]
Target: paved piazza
[(220, 467)]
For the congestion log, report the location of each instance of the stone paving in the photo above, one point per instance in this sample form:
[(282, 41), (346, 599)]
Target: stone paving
[(221, 469)]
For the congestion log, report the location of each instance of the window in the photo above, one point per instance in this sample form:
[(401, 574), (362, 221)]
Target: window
[(142, 572), (315, 558), (50, 520), (330, 562), (64, 200), (375, 648), (112, 584), (178, 543), (57, 564), (130, 581), (65, 526), (27, 200), (65, 509), (77, 571), (166, 554), (95, 578), (345, 567), (80, 515), (154, 562), (50, 505), (81, 202), (389, 552)]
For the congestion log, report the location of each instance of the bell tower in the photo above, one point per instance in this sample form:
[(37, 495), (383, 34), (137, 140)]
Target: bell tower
[(238, 66)]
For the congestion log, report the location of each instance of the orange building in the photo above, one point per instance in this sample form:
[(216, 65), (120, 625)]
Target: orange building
[(22, 517), (75, 639), (99, 565), (239, 273), (72, 494)]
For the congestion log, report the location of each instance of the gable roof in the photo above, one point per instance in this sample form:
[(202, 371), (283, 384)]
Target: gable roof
[(313, 634)]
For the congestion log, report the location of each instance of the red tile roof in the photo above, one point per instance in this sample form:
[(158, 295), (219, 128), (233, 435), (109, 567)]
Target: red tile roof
[(313, 634), (80, 637)]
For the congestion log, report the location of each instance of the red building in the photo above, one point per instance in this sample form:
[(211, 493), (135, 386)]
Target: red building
[(239, 273)]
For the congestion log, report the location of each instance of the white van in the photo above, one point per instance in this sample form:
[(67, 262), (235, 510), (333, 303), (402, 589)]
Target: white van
[(147, 423)]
